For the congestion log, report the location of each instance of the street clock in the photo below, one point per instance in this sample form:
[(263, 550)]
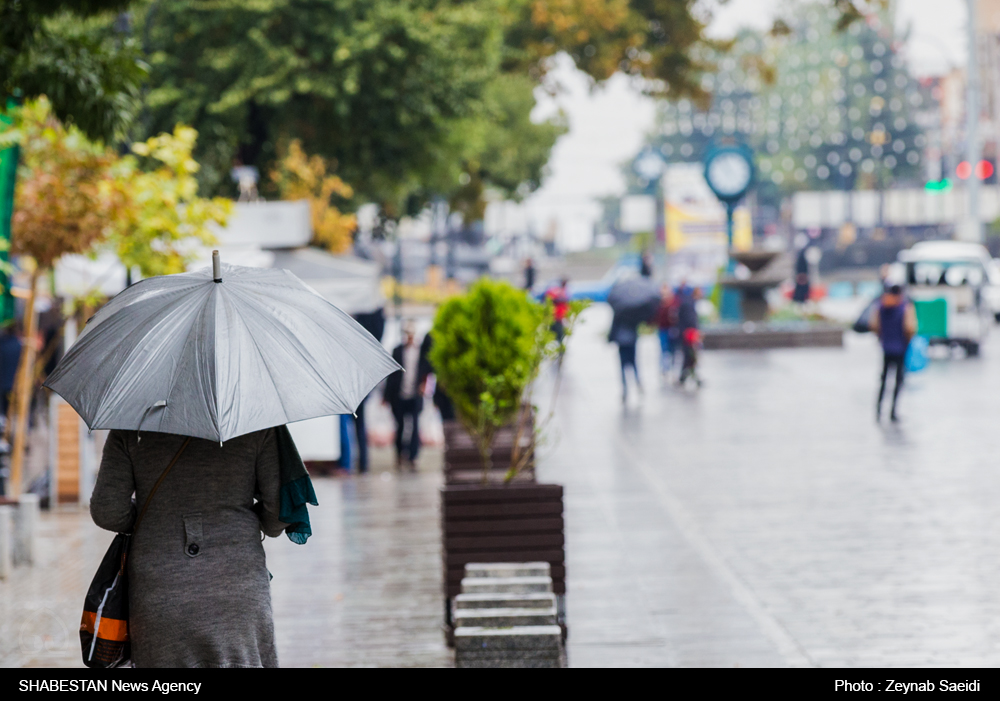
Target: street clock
[(729, 172)]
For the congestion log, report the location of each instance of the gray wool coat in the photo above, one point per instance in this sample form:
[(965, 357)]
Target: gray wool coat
[(199, 591)]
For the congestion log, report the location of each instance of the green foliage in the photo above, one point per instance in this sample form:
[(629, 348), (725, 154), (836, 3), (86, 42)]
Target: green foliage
[(487, 345), (644, 38), (161, 213), (500, 148), (374, 85), (69, 51)]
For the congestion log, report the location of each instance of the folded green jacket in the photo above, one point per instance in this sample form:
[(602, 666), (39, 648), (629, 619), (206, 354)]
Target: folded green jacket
[(296, 488)]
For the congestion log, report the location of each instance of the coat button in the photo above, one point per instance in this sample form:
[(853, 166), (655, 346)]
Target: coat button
[(193, 549)]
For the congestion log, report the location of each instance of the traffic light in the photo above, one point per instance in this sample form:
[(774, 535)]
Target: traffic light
[(941, 185), (983, 170)]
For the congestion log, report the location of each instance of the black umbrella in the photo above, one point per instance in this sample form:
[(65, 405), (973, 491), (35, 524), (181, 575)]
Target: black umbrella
[(634, 300)]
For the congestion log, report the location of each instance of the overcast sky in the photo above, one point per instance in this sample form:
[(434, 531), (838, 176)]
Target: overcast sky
[(607, 125)]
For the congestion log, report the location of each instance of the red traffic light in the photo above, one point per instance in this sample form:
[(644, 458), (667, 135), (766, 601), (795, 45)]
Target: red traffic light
[(984, 169)]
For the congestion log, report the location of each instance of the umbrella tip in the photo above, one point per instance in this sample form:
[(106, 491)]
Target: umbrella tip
[(216, 267)]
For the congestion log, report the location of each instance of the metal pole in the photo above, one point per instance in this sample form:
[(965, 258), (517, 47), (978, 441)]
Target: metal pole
[(972, 229), (730, 301)]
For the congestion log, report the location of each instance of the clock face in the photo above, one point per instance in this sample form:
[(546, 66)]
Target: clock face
[(729, 174)]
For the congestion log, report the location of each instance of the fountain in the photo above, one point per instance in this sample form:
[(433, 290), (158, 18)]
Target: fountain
[(768, 269), (765, 273)]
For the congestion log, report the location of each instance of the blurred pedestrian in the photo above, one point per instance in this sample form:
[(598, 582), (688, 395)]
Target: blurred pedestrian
[(373, 323), (529, 274), (625, 333), (895, 322), (802, 291), (690, 336), (404, 394), (440, 398), (10, 355), (666, 324), (646, 264), (559, 296), (198, 589)]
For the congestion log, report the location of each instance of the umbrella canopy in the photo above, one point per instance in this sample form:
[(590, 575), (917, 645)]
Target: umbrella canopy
[(192, 355), (634, 299)]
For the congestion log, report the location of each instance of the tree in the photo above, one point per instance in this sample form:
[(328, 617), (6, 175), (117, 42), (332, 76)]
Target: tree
[(372, 85), (487, 346), (72, 52), (500, 149), (62, 205), (299, 177), (161, 212), (76, 196), (649, 39)]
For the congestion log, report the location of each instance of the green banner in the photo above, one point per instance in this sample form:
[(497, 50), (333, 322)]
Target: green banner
[(8, 174)]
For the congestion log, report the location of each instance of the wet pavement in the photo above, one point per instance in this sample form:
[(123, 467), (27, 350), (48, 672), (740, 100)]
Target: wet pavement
[(364, 591), (763, 520), (766, 519)]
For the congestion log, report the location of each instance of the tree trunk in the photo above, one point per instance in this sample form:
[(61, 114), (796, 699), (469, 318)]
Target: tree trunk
[(23, 386)]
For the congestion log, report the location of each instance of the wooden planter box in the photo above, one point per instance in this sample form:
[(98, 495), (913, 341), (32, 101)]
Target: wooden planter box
[(463, 464), (520, 522)]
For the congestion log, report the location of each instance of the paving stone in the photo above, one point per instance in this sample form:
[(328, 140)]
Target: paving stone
[(508, 569), (506, 585), (505, 617), (543, 600), (533, 661), (517, 638)]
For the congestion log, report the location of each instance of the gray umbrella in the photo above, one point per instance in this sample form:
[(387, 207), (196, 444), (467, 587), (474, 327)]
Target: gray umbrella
[(634, 298), (217, 358)]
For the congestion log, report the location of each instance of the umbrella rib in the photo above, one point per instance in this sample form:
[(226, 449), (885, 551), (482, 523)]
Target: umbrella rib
[(131, 352), (176, 378), (266, 365), (304, 350)]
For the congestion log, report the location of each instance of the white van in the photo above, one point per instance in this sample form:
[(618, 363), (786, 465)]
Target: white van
[(951, 284)]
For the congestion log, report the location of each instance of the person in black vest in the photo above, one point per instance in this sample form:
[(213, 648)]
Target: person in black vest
[(404, 394), (895, 322)]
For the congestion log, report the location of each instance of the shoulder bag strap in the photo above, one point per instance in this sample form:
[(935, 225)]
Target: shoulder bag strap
[(158, 482)]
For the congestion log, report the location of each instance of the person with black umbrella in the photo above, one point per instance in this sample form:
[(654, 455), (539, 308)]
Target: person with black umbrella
[(634, 300)]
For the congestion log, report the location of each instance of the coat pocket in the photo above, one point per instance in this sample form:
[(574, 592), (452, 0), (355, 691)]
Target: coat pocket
[(193, 535)]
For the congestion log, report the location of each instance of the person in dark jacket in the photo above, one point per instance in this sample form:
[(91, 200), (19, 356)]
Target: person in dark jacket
[(687, 326), (802, 291), (373, 323), (404, 394), (625, 333), (440, 398), (10, 355), (895, 322)]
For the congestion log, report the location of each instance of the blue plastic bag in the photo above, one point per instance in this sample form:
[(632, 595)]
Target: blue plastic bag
[(916, 354)]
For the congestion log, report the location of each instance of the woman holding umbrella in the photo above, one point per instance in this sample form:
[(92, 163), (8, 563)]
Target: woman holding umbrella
[(196, 375)]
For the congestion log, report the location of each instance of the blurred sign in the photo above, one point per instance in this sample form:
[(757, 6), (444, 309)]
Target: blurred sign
[(268, 225), (694, 216), (941, 204), (638, 213), (8, 174)]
